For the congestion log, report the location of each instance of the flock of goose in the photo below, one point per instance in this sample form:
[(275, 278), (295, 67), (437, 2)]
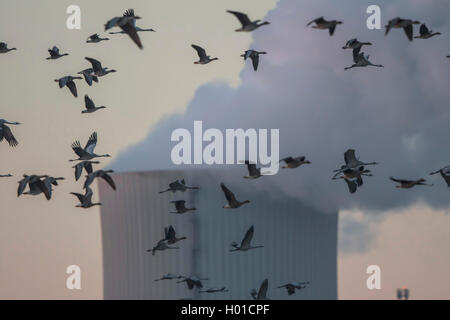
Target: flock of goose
[(351, 172)]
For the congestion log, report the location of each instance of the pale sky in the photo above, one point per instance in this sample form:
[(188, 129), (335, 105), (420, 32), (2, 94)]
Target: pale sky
[(39, 239), (410, 246)]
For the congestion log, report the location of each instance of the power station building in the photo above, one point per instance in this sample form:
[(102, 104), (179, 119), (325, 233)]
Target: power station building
[(300, 244)]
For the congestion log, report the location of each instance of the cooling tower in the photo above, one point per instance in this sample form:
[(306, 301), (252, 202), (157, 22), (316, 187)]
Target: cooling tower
[(300, 244)]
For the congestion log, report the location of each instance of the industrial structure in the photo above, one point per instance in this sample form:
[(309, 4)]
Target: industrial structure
[(300, 244)]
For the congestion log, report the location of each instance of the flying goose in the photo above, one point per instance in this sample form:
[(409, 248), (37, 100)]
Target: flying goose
[(425, 33), (361, 60), (253, 171), (262, 292), (100, 174), (321, 23), (180, 207), (130, 13), (179, 185), (291, 286), (97, 68), (254, 55), (445, 173), (128, 25), (161, 246), (355, 173), (203, 57), (90, 105), (86, 165), (246, 242), (6, 133), (214, 290), (355, 44), (352, 162), (88, 152), (408, 184), (55, 54), (38, 186), (5, 175), (351, 183), (171, 236), (231, 199), (68, 81), (28, 180), (405, 24), (193, 281), (85, 199), (95, 38), (292, 163), (89, 76), (4, 48), (169, 276), (246, 24)]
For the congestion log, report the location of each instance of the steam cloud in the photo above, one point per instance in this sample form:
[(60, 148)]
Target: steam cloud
[(398, 115)]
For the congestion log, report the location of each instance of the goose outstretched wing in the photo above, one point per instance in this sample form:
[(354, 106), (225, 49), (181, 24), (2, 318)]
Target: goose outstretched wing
[(317, 21), (6, 133), (78, 170), (109, 180), (92, 142), (72, 87), (262, 293), (255, 61), (179, 205), (332, 29), (171, 234), (349, 157), (248, 238), (79, 196), (88, 167), (409, 31), (242, 17), (446, 176), (96, 65), (400, 180), (22, 185), (45, 188), (424, 30), (200, 51), (130, 29), (129, 13), (251, 167), (228, 194), (88, 195), (79, 151), (352, 186), (88, 102)]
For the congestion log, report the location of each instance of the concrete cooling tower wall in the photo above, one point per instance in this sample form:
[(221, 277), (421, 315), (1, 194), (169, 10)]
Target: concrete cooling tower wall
[(299, 244)]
